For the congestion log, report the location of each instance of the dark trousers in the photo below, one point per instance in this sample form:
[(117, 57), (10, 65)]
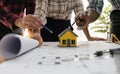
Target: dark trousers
[(115, 23), (57, 26), (5, 30)]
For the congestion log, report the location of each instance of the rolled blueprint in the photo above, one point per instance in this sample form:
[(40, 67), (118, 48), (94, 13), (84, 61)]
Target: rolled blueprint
[(13, 45)]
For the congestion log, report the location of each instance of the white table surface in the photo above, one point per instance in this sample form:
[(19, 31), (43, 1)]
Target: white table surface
[(42, 60)]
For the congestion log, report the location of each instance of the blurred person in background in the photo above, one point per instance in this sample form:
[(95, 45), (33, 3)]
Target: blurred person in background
[(56, 15), (96, 6)]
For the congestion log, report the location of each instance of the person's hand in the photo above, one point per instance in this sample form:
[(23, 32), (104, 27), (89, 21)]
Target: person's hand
[(82, 20), (29, 21), (37, 37), (35, 34), (1, 59), (96, 39)]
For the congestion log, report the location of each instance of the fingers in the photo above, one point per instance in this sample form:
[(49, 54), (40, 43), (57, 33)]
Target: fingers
[(82, 20), (31, 22), (96, 39), (29, 25), (1, 59), (38, 37), (34, 24), (18, 22)]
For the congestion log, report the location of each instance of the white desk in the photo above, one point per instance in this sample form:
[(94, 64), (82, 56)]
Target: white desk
[(42, 60)]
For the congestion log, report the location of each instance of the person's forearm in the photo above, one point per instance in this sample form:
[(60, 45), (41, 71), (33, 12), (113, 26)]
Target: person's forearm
[(85, 30), (7, 16), (94, 9)]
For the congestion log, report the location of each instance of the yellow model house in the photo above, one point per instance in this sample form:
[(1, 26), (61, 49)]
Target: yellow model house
[(67, 38)]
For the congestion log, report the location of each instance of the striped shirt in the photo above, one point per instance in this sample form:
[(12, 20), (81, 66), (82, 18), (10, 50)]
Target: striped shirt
[(115, 4), (97, 5), (57, 9)]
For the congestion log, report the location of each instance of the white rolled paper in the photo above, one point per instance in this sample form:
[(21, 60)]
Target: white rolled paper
[(13, 45)]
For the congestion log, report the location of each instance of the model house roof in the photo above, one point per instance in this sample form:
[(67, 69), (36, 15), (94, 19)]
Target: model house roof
[(68, 29)]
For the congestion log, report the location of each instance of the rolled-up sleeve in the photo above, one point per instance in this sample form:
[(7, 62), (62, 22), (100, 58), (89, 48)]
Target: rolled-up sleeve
[(78, 6), (41, 10), (96, 5), (7, 16)]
